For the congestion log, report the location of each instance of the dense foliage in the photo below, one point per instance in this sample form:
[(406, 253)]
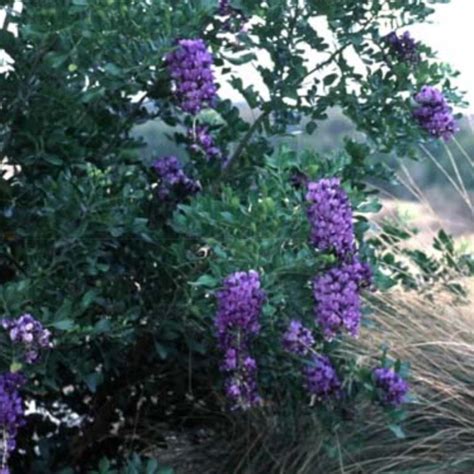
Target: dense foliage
[(122, 259)]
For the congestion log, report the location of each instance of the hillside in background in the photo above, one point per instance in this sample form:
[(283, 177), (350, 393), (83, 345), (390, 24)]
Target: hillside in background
[(427, 182)]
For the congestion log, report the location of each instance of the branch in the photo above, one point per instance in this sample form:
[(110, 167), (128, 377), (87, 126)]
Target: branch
[(326, 62), (245, 140), (126, 124), (248, 135)]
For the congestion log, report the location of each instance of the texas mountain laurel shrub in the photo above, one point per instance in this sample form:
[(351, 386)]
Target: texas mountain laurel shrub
[(134, 268)]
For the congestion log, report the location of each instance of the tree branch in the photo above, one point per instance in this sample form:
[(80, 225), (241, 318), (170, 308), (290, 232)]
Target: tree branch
[(244, 142)]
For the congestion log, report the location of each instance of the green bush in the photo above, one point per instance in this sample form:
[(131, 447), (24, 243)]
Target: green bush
[(123, 280)]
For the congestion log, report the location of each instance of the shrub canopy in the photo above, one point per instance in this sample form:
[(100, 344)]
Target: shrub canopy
[(125, 280)]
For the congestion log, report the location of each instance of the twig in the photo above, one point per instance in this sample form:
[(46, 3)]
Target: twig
[(325, 63), (244, 142), (129, 120)]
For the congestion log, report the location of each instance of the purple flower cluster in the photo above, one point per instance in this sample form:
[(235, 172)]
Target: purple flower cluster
[(392, 387), (298, 339), (239, 304), (30, 334), (202, 142), (11, 414), (234, 19), (190, 67), (434, 114), (336, 294), (321, 378), (330, 217), (241, 385), (225, 8), (173, 179), (404, 47)]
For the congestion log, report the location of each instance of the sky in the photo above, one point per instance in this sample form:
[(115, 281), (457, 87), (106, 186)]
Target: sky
[(451, 33)]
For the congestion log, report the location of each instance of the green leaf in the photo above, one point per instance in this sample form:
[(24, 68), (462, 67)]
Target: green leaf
[(444, 242), (397, 431), (53, 159), (104, 466), (112, 69), (7, 41), (329, 79), (162, 350), (116, 231), (243, 59), (64, 325), (206, 281), (228, 217), (383, 282), (102, 326), (88, 299), (57, 60), (93, 94), (211, 117), (16, 366), (152, 466), (371, 206), (165, 470), (311, 127), (93, 380)]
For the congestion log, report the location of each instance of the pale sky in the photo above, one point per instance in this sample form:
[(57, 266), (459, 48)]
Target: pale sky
[(452, 35)]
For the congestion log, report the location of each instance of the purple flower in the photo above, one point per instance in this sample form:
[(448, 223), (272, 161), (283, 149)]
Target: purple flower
[(239, 305), (190, 67), (11, 413), (241, 386), (231, 360), (203, 143), (30, 334), (337, 300), (173, 180), (225, 8), (404, 47), (299, 180), (234, 19), (298, 339), (434, 114), (321, 378), (330, 217), (392, 388)]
